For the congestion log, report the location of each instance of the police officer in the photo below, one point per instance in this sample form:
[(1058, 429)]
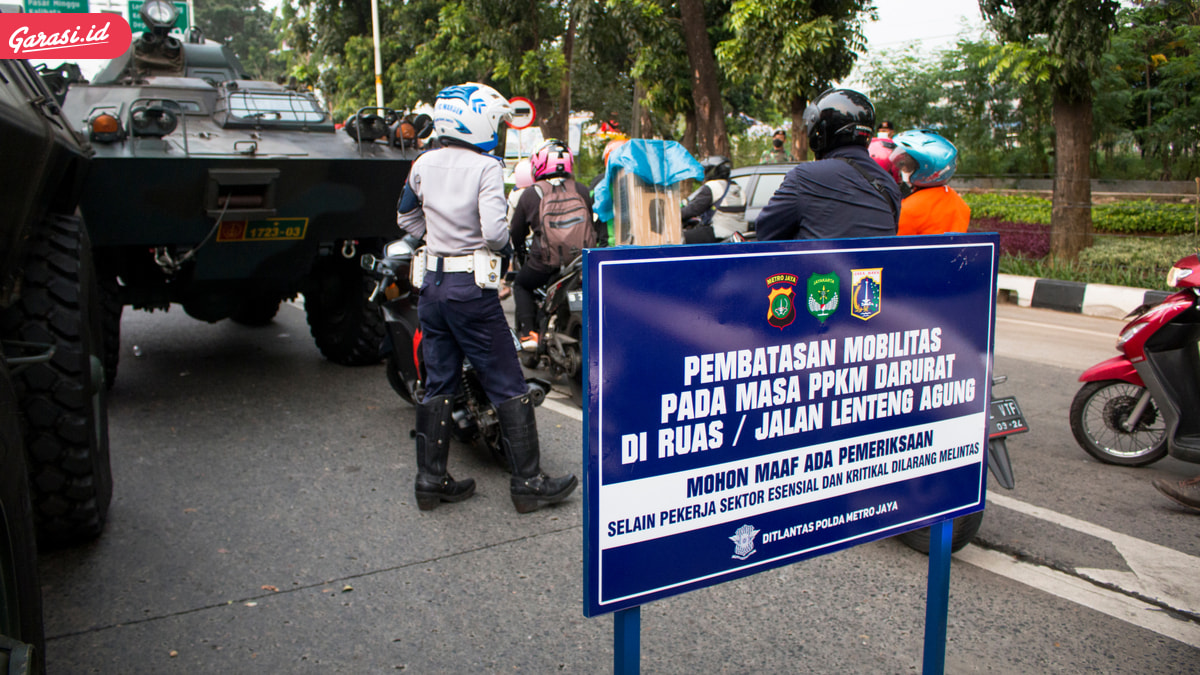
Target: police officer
[(845, 194), (454, 198)]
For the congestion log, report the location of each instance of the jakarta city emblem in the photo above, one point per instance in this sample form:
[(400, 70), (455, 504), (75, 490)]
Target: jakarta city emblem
[(865, 292), (823, 295), (782, 310)]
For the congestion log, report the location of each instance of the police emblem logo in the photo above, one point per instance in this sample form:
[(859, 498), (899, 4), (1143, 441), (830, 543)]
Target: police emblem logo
[(781, 311), (865, 292), (743, 542), (823, 297)]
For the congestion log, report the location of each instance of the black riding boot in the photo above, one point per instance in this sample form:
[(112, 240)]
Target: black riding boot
[(531, 488), (434, 483)]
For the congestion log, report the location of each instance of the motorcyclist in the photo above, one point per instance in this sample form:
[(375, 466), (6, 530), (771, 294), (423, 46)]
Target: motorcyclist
[(927, 161), (552, 162), (845, 193), (454, 198), (717, 208)]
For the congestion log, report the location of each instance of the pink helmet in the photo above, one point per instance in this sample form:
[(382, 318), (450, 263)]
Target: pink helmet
[(881, 151), (523, 174), (552, 159)]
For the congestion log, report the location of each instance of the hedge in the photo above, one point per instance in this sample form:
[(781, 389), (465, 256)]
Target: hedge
[(1125, 217)]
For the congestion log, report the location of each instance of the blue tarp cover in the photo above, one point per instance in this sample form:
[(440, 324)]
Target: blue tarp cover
[(656, 162)]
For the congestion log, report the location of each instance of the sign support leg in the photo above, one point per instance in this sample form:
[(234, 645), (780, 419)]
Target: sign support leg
[(937, 600), (627, 641)]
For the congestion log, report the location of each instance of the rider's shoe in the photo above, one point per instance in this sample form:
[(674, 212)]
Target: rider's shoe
[(529, 342), (1185, 492)]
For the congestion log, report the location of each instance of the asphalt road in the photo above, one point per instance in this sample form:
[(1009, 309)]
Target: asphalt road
[(263, 522)]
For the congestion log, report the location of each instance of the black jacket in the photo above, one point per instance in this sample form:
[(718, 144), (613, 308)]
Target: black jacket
[(830, 199)]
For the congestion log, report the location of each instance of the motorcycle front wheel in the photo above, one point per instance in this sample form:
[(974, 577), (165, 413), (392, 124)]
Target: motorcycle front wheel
[(1097, 416)]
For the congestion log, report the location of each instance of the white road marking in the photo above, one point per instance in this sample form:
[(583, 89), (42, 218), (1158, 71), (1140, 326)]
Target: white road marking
[(1155, 572), (564, 409), (1068, 329), (1082, 592)]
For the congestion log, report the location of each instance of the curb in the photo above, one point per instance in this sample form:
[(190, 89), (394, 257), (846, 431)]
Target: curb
[(1078, 297)]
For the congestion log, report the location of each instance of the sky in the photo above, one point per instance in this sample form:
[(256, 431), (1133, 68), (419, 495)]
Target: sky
[(931, 24)]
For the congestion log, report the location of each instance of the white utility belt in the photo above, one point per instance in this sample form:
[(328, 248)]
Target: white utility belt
[(483, 263)]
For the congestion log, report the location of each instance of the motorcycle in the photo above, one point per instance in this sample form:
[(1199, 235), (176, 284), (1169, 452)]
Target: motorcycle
[(474, 416), (560, 327), (1004, 420), (1131, 408)]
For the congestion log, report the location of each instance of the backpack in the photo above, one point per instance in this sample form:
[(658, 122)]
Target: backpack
[(566, 224)]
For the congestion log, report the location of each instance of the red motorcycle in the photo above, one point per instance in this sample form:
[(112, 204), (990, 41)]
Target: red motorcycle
[(1140, 405)]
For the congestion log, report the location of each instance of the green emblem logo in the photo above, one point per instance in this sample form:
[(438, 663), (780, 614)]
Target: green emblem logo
[(823, 295)]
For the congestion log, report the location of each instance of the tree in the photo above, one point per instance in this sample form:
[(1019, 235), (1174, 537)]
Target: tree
[(1154, 72), (1077, 33), (793, 49), (246, 28), (711, 138)]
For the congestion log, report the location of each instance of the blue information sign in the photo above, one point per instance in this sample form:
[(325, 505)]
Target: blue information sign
[(751, 405)]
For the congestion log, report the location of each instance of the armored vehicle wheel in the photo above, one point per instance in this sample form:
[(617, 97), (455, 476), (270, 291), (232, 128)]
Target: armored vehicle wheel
[(257, 311), (346, 327), (64, 400), (21, 631), (110, 312)]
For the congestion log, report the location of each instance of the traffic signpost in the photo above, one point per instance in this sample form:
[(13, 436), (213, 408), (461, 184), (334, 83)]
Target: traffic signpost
[(753, 405)]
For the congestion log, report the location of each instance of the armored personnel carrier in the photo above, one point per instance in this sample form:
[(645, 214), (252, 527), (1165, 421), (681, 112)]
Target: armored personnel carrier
[(228, 195), (55, 479)]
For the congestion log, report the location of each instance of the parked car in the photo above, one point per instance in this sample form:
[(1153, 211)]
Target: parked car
[(758, 183)]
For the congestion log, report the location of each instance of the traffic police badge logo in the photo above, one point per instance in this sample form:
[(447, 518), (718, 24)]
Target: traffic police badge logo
[(782, 310), (865, 291), (743, 542), (823, 295)]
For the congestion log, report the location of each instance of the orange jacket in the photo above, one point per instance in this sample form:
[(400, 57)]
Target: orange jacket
[(934, 211)]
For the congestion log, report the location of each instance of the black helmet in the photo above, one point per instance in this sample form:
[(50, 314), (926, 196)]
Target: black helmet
[(839, 117), (716, 167)]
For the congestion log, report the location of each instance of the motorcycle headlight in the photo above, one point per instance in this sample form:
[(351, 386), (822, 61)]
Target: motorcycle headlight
[(1176, 275), (1128, 333)]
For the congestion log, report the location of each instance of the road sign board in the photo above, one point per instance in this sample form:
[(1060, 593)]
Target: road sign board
[(751, 405)]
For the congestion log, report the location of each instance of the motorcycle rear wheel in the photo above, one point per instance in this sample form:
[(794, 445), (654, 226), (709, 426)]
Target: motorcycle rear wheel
[(965, 529), (1096, 415)]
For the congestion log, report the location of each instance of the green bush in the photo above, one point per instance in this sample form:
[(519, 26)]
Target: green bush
[(1125, 217), (1140, 262)]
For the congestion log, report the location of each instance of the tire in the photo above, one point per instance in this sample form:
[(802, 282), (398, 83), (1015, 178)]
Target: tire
[(257, 311), (110, 311), (347, 328), (965, 529), (20, 591), (64, 402), (1096, 415)]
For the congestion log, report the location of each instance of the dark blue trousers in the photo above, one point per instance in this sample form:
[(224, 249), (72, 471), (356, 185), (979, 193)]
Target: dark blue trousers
[(460, 319)]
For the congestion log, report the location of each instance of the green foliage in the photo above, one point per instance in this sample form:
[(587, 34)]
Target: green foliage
[(1138, 262), (246, 28), (1076, 35), (1016, 208), (1124, 217), (816, 44)]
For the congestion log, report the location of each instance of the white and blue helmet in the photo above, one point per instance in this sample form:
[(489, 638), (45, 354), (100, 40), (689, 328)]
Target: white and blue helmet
[(471, 113)]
